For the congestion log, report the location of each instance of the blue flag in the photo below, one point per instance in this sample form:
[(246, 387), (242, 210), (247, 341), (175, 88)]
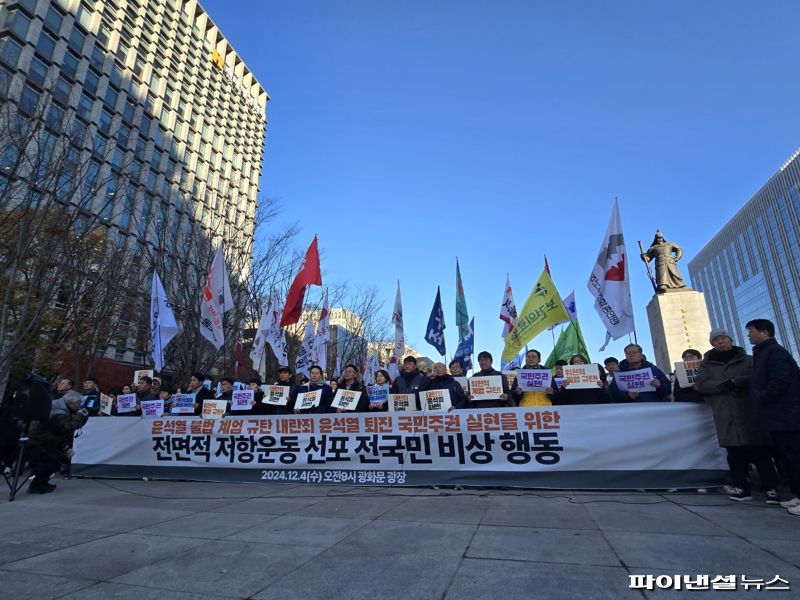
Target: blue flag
[(435, 333), (466, 347)]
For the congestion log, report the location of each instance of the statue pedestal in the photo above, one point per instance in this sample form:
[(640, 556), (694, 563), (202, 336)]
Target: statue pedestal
[(678, 320)]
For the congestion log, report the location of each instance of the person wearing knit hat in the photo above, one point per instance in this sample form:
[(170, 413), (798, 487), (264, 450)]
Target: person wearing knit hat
[(718, 332), (724, 381)]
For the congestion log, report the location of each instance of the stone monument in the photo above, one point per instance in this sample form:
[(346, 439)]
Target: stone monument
[(677, 314)]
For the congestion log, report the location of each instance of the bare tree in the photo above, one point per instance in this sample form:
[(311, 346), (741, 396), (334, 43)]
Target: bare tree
[(57, 201)]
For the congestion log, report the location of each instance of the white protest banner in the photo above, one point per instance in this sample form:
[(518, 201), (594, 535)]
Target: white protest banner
[(242, 400), (126, 403), (378, 394), (435, 400), (686, 372), (346, 399), (308, 400), (214, 409), (558, 382), (584, 447), (106, 402), (635, 381), (402, 403), (152, 408), (464, 383), (486, 388), (510, 377), (277, 395), (137, 375), (582, 377), (533, 380), (183, 405)]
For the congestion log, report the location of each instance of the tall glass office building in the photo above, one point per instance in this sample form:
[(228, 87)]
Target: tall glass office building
[(169, 116), (751, 268)]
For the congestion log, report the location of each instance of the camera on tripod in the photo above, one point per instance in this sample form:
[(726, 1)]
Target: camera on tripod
[(31, 401)]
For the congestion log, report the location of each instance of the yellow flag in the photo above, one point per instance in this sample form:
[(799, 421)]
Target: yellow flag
[(542, 309)]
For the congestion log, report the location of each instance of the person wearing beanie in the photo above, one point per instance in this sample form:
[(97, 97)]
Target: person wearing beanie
[(724, 381)]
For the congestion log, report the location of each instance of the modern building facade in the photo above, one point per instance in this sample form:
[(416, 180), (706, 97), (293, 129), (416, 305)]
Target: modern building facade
[(174, 122), (751, 268)]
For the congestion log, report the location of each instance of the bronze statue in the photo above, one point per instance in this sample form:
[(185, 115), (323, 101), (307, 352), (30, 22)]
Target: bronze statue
[(666, 255)]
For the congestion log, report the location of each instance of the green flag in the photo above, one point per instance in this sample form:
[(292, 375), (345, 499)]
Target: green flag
[(542, 309), (569, 342), (462, 315)]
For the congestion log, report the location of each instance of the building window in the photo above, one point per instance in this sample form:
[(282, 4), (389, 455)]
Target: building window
[(37, 72), (91, 82), (18, 24), (111, 98), (69, 65), (10, 51), (76, 40), (45, 46), (55, 116), (53, 20), (85, 106), (29, 100)]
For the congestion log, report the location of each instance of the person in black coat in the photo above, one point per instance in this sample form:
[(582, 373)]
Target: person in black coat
[(381, 377), (286, 379), (775, 387), (485, 362), (688, 394), (317, 382), (200, 392), (91, 396), (564, 396), (351, 380), (258, 406), (411, 380), (442, 380)]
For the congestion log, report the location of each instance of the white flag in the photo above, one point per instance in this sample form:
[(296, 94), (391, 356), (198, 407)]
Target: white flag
[(399, 337), (323, 334), (305, 357), (215, 302), (508, 310), (609, 282), (275, 336), (162, 321), (258, 352), (572, 311)]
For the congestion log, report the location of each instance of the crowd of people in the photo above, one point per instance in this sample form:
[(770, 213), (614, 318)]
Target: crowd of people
[(755, 400)]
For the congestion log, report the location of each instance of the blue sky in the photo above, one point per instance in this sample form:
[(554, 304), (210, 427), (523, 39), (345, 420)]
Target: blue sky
[(406, 134)]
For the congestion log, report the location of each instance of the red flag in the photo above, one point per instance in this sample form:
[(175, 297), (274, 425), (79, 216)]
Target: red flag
[(309, 274), (546, 266)]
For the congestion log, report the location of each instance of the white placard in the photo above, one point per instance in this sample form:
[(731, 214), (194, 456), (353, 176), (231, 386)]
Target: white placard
[(308, 400), (464, 383), (346, 399), (126, 403), (582, 377), (106, 403), (137, 375), (152, 408), (242, 400), (214, 409), (276, 395), (534, 380), (402, 403), (635, 381), (435, 400), (486, 388), (686, 372)]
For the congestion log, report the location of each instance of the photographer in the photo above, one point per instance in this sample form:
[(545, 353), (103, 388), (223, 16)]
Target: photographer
[(49, 442)]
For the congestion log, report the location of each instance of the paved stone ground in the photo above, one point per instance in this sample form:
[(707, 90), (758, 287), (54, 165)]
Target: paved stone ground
[(176, 540)]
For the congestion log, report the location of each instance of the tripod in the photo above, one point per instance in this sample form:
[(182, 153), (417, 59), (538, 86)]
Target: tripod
[(13, 480)]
